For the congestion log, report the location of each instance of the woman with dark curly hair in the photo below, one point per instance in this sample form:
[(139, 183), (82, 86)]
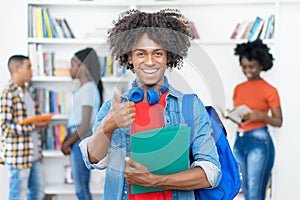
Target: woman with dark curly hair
[(148, 44), (253, 147)]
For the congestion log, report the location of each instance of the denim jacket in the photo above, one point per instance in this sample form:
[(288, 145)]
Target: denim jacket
[(203, 147)]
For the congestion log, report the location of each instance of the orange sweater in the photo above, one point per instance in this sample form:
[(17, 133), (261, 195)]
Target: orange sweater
[(257, 95)]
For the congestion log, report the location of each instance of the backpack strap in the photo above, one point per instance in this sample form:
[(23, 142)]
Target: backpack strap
[(188, 112)]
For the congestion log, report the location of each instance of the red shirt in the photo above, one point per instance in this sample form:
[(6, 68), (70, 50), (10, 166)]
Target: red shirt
[(150, 117)]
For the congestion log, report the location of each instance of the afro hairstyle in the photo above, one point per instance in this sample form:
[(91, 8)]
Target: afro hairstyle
[(255, 50)]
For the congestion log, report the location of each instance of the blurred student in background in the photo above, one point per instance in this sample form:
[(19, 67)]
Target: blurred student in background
[(84, 105), (253, 147), (20, 144)]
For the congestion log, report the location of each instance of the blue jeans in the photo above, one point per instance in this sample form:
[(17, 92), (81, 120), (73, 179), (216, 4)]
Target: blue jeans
[(254, 150), (80, 173), (21, 179)]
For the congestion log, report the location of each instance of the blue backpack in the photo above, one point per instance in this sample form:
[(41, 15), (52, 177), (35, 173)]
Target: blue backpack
[(230, 182)]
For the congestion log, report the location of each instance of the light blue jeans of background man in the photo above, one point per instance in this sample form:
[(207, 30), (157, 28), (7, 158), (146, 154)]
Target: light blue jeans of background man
[(254, 150), (21, 179), (80, 173)]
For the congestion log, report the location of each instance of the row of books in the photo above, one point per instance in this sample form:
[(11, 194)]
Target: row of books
[(109, 67), (43, 63), (53, 137), (42, 24), (52, 102), (251, 30)]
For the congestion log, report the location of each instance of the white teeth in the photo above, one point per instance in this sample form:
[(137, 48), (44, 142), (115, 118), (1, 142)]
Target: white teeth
[(150, 71)]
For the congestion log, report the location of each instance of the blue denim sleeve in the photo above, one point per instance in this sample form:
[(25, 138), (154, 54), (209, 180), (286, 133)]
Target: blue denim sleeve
[(101, 114), (83, 144), (203, 145)]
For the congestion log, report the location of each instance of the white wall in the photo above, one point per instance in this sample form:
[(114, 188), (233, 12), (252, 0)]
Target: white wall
[(13, 33), (13, 41), (285, 76), (288, 161)]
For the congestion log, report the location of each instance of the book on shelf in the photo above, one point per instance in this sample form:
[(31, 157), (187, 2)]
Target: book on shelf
[(30, 24), (32, 54), (45, 33), (61, 68), (241, 30), (268, 33), (247, 30), (69, 28), (48, 58), (255, 29), (236, 114), (38, 20), (236, 30)]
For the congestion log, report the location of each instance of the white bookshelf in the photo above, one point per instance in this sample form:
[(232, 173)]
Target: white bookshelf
[(85, 19)]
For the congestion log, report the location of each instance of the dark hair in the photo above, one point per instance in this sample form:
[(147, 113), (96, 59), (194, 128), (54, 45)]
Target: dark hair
[(165, 27), (15, 58), (89, 58), (256, 50)]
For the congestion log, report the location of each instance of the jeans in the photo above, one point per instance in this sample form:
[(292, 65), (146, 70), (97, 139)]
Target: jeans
[(80, 173), (254, 150), (21, 179)]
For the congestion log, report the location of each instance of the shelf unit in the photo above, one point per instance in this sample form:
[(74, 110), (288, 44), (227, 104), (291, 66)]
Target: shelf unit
[(83, 26)]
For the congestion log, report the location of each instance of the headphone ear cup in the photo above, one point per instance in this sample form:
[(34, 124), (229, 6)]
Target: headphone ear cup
[(152, 96), (135, 94)]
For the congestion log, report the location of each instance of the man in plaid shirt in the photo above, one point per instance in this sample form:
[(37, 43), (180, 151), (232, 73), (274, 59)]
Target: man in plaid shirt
[(20, 145)]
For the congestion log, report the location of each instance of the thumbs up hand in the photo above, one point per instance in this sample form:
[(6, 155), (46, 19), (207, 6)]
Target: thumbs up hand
[(122, 113)]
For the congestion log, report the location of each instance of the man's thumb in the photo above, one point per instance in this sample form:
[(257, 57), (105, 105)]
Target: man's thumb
[(117, 95)]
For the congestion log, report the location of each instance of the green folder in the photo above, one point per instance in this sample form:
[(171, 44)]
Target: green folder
[(162, 151)]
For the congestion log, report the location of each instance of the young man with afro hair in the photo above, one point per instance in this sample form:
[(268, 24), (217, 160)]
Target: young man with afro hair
[(148, 44)]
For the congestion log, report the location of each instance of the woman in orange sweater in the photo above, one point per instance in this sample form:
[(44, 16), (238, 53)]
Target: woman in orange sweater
[(253, 147)]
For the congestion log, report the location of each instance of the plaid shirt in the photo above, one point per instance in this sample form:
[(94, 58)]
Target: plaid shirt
[(16, 143)]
